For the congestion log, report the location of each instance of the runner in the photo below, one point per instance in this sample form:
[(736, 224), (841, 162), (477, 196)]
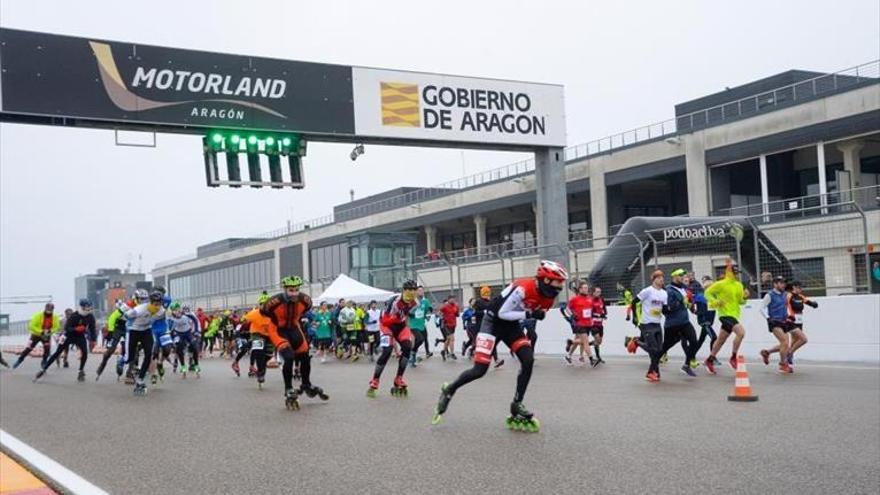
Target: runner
[(285, 310), (324, 332), (579, 313), (371, 323), (705, 316), (469, 323), (774, 307), (523, 299), (416, 322), (42, 325), (448, 321), (651, 301), (600, 314), (77, 327), (347, 317), (795, 319), (393, 326), (210, 335), (677, 325), (727, 296)]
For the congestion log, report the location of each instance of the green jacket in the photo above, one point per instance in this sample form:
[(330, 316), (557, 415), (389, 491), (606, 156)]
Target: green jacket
[(36, 324), (213, 327), (323, 330), (112, 320), (419, 313)]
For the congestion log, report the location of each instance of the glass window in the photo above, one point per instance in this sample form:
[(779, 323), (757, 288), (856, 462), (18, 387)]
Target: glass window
[(811, 273), (382, 256)]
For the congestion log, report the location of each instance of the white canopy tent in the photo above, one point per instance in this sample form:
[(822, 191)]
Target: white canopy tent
[(345, 287)]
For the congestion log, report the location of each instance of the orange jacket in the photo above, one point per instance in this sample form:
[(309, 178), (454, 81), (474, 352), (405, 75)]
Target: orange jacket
[(285, 312), (259, 323)]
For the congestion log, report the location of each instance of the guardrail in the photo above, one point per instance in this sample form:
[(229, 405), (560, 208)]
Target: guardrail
[(867, 198)]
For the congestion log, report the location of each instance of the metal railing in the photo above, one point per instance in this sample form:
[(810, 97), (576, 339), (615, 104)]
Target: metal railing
[(817, 87), (867, 198), (784, 96)]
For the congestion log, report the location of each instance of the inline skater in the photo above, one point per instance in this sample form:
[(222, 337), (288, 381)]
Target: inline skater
[(523, 299), (261, 329), (115, 338), (77, 327), (727, 296), (393, 328), (42, 326), (140, 336), (285, 310), (196, 346), (183, 335), (163, 344)]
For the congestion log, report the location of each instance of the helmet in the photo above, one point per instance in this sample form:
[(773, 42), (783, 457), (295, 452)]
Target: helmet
[(410, 285), (186, 309), (174, 306), (155, 297), (85, 303), (551, 270), (262, 299), (485, 291), (291, 281), (141, 295), (678, 272), (159, 288), (227, 313)]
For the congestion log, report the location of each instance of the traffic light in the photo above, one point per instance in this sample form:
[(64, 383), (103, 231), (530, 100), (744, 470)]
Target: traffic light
[(254, 145)]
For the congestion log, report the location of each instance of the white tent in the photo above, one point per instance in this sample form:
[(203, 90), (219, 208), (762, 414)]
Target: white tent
[(345, 287)]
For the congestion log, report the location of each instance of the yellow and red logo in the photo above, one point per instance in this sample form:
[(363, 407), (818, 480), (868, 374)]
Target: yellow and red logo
[(400, 104)]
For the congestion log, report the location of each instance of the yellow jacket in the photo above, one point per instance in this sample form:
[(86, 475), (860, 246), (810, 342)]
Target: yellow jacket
[(36, 324)]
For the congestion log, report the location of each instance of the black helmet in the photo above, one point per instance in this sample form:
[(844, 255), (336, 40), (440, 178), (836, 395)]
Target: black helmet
[(85, 303), (156, 296), (410, 285)]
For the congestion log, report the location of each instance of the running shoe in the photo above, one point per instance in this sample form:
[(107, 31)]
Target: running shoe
[(710, 365), (664, 359), (632, 345), (686, 369), (765, 356), (652, 377), (499, 363), (785, 369), (694, 364), (568, 344), (567, 359), (732, 362), (593, 362)]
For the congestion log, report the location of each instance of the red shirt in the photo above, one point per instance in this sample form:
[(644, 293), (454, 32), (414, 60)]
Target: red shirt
[(581, 309), (449, 311), (47, 322), (598, 311)]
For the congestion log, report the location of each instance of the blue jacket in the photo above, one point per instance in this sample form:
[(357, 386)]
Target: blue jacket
[(676, 309)]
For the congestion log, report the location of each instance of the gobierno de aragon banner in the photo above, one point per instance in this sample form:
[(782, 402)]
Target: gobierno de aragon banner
[(90, 79)]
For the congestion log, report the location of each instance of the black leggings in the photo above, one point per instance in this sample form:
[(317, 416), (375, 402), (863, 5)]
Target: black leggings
[(36, 339), (706, 330), (684, 333), (111, 342), (406, 347), (652, 342), (144, 339), (71, 338)]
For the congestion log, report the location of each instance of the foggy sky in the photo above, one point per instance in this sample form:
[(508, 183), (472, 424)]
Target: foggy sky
[(71, 201)]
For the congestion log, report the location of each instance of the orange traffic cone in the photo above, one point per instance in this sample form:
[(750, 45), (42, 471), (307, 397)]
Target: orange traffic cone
[(742, 391)]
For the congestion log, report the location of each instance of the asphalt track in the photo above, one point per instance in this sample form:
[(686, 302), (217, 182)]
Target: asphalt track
[(603, 430)]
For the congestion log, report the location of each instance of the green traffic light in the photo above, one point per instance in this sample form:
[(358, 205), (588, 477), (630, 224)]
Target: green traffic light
[(286, 141), (218, 138), (270, 141), (252, 139), (234, 139)]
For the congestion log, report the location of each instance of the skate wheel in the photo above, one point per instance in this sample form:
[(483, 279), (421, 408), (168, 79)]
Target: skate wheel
[(372, 393)]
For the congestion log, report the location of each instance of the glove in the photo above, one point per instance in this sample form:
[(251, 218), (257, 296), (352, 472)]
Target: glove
[(813, 304), (537, 314), (627, 317)]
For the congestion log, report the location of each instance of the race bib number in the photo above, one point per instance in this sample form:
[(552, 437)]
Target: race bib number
[(371, 338), (349, 327), (655, 311), (164, 340), (484, 346), (241, 343), (258, 344), (586, 314), (420, 313), (385, 341), (798, 318)]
